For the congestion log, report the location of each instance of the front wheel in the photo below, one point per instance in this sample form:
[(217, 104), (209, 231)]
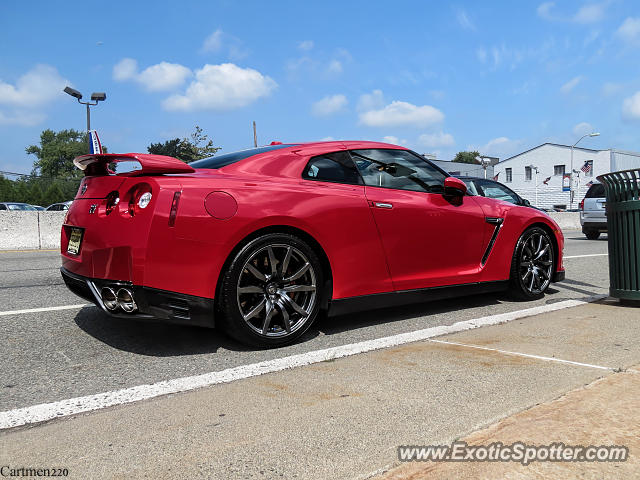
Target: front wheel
[(270, 294), (532, 264)]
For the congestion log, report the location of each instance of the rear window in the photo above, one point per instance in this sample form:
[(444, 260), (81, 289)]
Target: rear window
[(595, 191), (220, 161)]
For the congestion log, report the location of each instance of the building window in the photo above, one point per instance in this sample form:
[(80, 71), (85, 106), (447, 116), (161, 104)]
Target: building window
[(507, 172), (558, 169), (527, 174)]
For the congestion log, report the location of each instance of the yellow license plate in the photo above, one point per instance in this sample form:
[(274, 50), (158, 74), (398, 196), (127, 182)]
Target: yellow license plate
[(75, 240)]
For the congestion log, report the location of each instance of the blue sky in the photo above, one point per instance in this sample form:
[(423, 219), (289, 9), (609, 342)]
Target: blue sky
[(437, 77)]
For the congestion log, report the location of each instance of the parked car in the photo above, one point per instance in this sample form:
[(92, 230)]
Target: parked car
[(258, 242), (38, 207), (493, 189), (58, 207), (16, 206), (593, 213)]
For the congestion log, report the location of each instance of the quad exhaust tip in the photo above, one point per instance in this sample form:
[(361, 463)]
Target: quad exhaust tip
[(109, 298), (123, 299)]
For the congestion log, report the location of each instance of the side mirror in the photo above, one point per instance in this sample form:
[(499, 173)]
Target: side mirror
[(526, 202), (454, 186)]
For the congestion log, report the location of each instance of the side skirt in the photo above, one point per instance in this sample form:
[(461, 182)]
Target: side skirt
[(344, 306)]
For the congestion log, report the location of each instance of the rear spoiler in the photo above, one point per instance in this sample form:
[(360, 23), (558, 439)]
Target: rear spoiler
[(137, 164)]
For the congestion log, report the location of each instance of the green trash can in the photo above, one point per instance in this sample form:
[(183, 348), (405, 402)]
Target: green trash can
[(623, 225)]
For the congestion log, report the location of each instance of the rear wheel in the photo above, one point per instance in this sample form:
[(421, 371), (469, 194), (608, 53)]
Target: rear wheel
[(532, 264), (270, 294), (592, 234)]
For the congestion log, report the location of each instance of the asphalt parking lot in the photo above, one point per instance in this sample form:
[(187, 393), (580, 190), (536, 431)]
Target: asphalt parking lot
[(52, 355)]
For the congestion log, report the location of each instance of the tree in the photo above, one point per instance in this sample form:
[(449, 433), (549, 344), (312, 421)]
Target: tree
[(196, 147), (467, 157), (56, 153)]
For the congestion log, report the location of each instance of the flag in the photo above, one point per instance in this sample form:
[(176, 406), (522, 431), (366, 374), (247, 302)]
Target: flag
[(546, 182), (586, 168), (495, 177), (94, 143)]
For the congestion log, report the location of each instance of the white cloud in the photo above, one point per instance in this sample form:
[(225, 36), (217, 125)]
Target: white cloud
[(222, 87), (571, 84), (481, 54), (582, 128), (631, 107), (501, 147), (391, 139), (213, 43), (22, 118), (39, 86), (327, 139), (160, 77), (370, 101), (544, 10), (589, 13), (464, 20), (329, 105), (629, 31), (306, 45), (433, 140), (610, 88), (399, 113), (220, 41), (335, 67)]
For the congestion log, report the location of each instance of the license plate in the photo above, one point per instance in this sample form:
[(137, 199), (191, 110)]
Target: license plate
[(75, 240)]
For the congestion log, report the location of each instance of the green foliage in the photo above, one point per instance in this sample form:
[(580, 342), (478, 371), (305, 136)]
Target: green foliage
[(467, 157), (56, 152), (196, 147), (38, 190)]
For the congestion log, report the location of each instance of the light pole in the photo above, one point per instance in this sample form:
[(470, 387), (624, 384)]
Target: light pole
[(571, 192), (485, 163), (95, 98), (533, 167)]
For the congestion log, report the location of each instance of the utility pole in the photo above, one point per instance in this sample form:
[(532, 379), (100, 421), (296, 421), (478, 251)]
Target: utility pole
[(571, 190), (255, 135), (95, 98)]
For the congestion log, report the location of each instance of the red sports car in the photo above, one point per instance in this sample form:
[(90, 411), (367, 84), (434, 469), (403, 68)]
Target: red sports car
[(259, 242)]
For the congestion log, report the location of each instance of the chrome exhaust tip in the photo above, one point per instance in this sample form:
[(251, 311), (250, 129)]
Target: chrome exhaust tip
[(126, 301), (109, 299)]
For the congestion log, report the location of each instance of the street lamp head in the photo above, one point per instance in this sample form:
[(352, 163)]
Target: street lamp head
[(594, 134), (73, 92), (98, 96)]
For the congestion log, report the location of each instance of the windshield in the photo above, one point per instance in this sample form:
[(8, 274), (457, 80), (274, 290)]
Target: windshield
[(19, 206), (220, 161)]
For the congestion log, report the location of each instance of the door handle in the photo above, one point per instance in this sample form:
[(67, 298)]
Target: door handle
[(381, 205)]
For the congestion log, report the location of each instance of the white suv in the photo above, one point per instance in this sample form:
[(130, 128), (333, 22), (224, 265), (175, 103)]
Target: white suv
[(593, 213)]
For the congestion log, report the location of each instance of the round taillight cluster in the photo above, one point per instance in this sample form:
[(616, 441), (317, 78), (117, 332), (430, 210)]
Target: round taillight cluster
[(113, 199), (140, 199)]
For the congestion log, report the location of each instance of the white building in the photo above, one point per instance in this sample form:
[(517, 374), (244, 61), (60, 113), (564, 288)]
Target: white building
[(553, 164)]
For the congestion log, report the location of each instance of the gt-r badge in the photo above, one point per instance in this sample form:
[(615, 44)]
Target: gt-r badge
[(92, 208)]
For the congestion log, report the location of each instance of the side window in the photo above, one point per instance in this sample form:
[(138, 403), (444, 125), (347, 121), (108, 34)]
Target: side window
[(400, 169), (495, 190), (334, 167), (2, 207)]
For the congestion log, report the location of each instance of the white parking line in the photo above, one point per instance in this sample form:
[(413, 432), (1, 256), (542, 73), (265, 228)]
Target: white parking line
[(44, 309), (526, 355), (589, 255), (63, 408)]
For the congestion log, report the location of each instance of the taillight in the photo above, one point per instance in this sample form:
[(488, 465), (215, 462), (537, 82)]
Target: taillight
[(113, 199), (174, 209), (581, 204), (140, 199)]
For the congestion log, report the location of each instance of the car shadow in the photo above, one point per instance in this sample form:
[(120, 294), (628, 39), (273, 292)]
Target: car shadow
[(155, 339)]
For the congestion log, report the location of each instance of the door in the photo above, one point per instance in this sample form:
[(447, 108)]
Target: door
[(429, 239)]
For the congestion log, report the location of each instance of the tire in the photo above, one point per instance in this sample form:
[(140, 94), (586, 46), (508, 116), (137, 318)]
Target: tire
[(260, 304), (532, 264), (592, 234)]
